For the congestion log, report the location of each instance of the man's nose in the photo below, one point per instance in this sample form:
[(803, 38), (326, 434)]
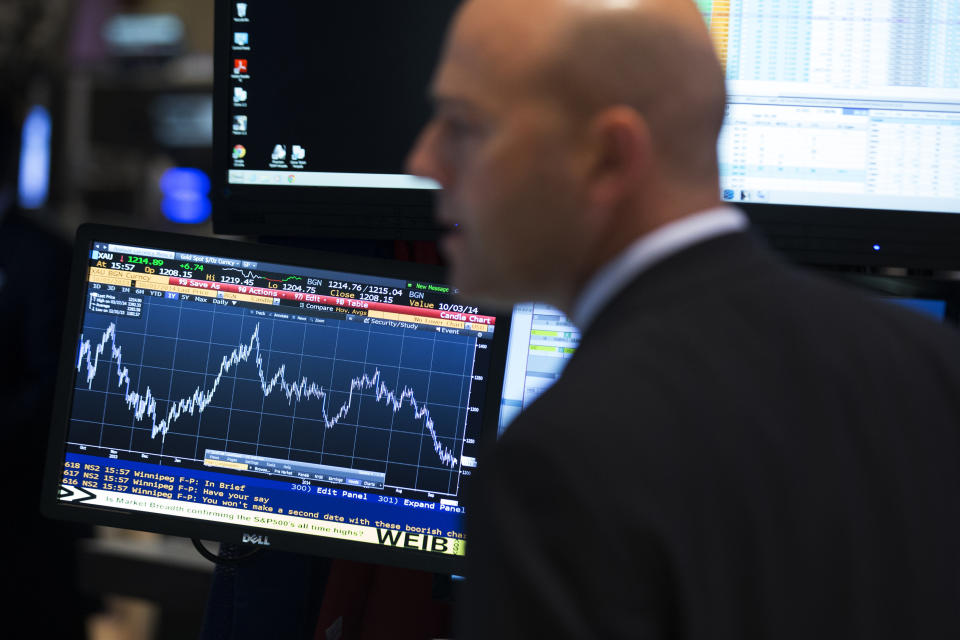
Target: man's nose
[(422, 160)]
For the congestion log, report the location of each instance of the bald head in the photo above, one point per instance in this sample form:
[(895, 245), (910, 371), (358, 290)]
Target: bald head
[(654, 56), (564, 130)]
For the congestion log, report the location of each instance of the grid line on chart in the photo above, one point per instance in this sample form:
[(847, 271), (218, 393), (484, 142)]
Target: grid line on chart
[(154, 354), (206, 367)]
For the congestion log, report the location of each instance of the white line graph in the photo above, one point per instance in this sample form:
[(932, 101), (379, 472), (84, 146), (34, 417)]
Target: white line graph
[(145, 405)]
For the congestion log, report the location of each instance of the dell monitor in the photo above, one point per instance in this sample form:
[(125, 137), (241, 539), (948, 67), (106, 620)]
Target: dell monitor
[(244, 393)]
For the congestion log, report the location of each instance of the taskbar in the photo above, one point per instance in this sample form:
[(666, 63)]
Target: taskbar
[(282, 178)]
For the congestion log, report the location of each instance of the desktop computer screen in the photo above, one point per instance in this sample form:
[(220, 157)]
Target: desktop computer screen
[(244, 393), (844, 104), (316, 107), (840, 104)]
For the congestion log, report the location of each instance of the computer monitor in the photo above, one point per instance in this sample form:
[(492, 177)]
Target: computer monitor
[(316, 106), (541, 342), (245, 393), (842, 116), (840, 104)]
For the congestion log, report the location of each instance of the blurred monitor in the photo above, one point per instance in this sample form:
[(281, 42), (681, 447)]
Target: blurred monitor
[(840, 104), (936, 309), (842, 116), (316, 107), (842, 132), (143, 34), (541, 342), (152, 119), (182, 120), (937, 298)]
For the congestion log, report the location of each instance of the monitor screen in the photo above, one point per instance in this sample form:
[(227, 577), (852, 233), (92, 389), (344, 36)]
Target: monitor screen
[(541, 342), (936, 309), (844, 104), (840, 104), (317, 101), (243, 393), (320, 103)]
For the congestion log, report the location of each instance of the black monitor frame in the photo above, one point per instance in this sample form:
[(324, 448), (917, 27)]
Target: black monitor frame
[(236, 534), (325, 212), (826, 236)]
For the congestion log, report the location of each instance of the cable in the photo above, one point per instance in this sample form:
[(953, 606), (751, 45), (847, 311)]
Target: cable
[(221, 560)]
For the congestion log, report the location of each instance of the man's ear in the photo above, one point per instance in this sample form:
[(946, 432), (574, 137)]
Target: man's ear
[(620, 155)]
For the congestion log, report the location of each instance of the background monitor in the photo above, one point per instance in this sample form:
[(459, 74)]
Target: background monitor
[(244, 393), (841, 116), (542, 340), (936, 298), (841, 109), (840, 104), (317, 105)]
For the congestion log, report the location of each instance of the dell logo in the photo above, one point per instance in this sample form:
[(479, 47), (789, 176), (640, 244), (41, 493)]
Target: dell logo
[(249, 538)]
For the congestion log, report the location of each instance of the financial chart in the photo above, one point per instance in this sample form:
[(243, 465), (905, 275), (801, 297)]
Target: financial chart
[(280, 397), (179, 381)]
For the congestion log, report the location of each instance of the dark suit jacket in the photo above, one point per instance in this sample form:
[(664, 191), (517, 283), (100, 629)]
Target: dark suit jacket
[(737, 450)]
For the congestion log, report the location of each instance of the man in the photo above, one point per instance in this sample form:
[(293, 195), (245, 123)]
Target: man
[(737, 450)]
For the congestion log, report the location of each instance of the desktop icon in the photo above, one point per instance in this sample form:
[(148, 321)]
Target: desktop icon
[(241, 9), (241, 38), (239, 152), (239, 95), (279, 153), (298, 153), (240, 124), (239, 66)]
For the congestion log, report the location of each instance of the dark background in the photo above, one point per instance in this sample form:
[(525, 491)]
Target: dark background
[(346, 80)]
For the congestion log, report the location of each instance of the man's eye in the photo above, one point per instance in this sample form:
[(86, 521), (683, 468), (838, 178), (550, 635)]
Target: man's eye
[(458, 127)]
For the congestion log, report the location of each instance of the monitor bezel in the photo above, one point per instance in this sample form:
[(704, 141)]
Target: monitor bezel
[(224, 532), (830, 236)]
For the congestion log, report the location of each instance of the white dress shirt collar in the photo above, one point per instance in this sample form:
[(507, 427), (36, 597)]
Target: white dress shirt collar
[(649, 250)]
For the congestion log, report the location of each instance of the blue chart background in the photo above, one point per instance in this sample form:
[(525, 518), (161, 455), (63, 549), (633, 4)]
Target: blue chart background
[(177, 346)]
